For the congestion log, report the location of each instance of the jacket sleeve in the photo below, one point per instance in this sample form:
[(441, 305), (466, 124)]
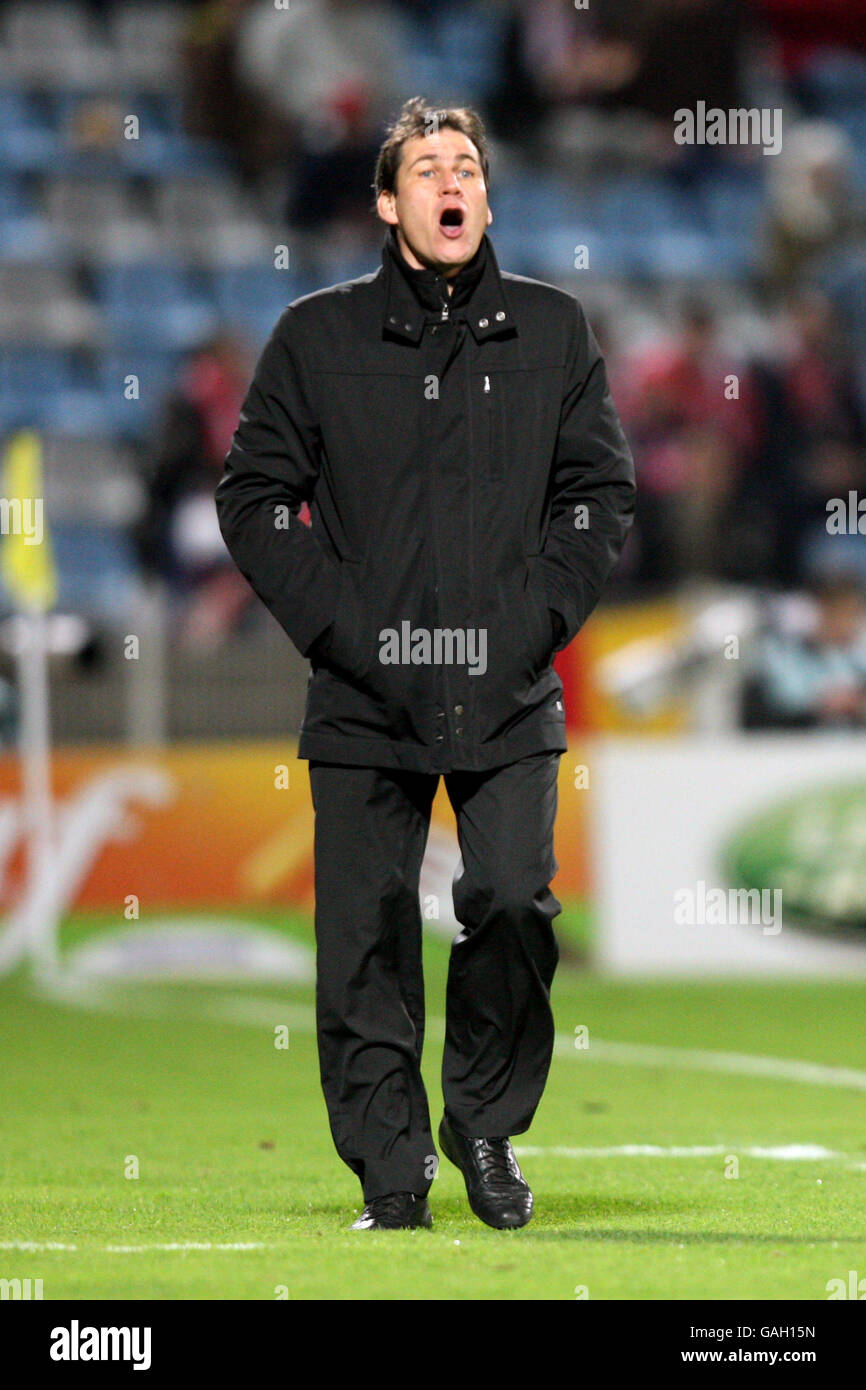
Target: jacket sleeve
[(270, 469), (592, 488)]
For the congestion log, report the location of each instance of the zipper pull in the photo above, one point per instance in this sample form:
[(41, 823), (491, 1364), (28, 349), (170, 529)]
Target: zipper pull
[(444, 312), (487, 383)]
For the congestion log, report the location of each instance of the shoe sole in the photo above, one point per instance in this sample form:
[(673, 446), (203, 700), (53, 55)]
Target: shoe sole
[(424, 1224)]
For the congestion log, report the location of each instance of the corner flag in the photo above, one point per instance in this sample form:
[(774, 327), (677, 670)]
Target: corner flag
[(28, 572), (26, 557)]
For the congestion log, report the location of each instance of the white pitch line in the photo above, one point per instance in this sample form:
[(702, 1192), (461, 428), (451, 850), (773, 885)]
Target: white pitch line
[(35, 1246), (806, 1153), (186, 1245), (251, 1010), (258, 1011), (695, 1059)]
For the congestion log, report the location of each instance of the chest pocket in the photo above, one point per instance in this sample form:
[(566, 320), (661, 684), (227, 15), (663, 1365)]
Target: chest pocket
[(490, 388)]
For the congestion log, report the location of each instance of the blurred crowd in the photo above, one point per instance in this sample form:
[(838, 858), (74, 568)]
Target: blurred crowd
[(727, 285), (740, 437)]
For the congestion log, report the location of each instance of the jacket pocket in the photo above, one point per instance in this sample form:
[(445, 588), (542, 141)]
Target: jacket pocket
[(347, 648), (539, 623)]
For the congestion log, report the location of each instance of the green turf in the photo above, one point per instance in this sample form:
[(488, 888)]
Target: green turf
[(232, 1144)]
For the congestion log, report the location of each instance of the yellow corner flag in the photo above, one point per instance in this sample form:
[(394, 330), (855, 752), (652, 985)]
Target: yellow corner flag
[(26, 558)]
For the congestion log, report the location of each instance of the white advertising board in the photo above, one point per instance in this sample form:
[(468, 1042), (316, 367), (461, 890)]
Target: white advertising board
[(731, 855)]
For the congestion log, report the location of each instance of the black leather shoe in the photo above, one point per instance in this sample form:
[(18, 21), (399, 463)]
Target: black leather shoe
[(497, 1190), (397, 1211)]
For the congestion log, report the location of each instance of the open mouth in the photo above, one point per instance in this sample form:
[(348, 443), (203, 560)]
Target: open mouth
[(451, 222)]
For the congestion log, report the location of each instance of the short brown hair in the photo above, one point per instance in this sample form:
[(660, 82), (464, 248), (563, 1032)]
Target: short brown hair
[(418, 117)]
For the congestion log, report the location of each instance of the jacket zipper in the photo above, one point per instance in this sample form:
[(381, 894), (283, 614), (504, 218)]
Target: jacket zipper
[(492, 406)]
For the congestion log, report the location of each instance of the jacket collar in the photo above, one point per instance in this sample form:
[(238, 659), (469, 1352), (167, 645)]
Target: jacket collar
[(487, 310)]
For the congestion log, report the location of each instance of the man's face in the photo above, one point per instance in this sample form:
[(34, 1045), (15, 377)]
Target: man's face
[(439, 209)]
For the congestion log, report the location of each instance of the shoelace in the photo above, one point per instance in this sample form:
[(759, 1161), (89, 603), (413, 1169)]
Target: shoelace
[(496, 1161)]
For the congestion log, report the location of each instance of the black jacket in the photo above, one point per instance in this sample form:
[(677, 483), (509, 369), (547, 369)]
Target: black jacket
[(470, 490)]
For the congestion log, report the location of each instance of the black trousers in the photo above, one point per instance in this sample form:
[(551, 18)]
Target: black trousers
[(371, 827)]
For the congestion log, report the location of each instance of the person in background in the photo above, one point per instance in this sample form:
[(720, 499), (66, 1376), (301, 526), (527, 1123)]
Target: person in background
[(814, 676), (694, 447), (176, 538), (330, 70)]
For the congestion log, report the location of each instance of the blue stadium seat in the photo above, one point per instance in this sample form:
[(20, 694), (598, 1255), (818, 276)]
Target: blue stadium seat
[(96, 568), (156, 373), (30, 237), (454, 51), (155, 304), (29, 141), (32, 369), (81, 410), (31, 378), (471, 45), (171, 152), (252, 294), (14, 201), (732, 201), (539, 197), (638, 203)]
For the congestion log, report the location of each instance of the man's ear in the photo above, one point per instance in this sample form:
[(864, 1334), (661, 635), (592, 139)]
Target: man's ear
[(385, 206), (489, 215)]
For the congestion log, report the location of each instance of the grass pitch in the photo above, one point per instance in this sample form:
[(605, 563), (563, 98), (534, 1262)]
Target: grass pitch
[(659, 1171)]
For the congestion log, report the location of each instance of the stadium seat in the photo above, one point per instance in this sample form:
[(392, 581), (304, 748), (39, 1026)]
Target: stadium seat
[(40, 302), (80, 207), (30, 380), (29, 138), (146, 40), (14, 202), (50, 44), (90, 477), (453, 50), (153, 304), (96, 568), (28, 237), (255, 295), (155, 372), (190, 210), (171, 152)]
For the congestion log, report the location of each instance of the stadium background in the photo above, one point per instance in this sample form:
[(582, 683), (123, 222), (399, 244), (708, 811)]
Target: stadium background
[(171, 176)]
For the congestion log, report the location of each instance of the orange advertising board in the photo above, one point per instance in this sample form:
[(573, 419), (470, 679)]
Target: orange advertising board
[(212, 824)]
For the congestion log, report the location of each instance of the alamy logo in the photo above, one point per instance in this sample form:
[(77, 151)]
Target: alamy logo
[(439, 646), (852, 1287), (76, 1343), (739, 126), (718, 907), (846, 516), (22, 517), (23, 1289)]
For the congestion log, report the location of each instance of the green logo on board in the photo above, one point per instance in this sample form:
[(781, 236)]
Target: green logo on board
[(812, 847)]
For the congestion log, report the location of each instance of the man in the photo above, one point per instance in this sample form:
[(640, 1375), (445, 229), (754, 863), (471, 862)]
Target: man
[(808, 670), (470, 489)]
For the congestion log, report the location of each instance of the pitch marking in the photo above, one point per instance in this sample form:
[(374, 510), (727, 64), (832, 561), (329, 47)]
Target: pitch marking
[(805, 1153), (258, 1011)]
